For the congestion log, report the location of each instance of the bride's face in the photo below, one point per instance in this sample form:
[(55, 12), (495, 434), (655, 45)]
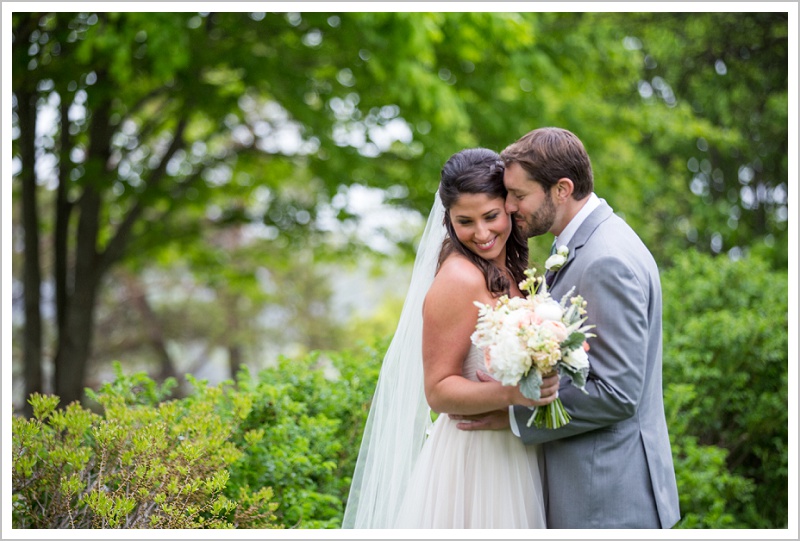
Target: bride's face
[(482, 225)]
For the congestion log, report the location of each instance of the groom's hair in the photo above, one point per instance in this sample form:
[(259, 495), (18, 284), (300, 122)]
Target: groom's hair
[(549, 154)]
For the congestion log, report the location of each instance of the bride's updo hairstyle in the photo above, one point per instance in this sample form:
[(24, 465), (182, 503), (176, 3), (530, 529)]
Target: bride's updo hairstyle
[(480, 171)]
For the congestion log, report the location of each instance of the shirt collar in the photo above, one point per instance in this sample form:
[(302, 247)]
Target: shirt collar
[(569, 231)]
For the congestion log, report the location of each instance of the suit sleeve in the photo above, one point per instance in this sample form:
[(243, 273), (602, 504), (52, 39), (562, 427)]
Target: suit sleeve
[(617, 304)]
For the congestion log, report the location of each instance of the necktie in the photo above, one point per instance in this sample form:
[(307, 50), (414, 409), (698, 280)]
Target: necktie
[(549, 276)]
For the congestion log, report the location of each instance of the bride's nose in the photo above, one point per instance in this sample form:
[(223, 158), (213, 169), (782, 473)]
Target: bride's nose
[(482, 233)]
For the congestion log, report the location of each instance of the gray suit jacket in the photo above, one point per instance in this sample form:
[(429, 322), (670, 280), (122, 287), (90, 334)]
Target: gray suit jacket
[(611, 466)]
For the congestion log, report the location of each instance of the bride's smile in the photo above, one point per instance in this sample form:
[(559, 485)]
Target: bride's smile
[(482, 224), (487, 245)]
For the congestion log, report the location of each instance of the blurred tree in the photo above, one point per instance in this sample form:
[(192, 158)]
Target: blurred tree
[(725, 187), (148, 122), (137, 135)]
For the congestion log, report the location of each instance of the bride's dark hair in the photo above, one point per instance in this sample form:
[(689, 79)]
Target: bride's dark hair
[(476, 171)]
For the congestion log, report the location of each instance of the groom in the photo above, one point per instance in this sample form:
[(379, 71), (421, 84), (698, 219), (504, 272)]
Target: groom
[(611, 466)]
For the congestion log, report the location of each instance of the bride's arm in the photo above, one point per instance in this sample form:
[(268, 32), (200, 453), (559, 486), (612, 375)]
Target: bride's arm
[(449, 318)]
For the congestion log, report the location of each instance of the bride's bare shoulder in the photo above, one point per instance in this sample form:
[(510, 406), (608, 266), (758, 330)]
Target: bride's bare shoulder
[(457, 273), (453, 293)]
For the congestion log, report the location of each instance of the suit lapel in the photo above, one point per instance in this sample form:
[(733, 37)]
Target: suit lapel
[(582, 235)]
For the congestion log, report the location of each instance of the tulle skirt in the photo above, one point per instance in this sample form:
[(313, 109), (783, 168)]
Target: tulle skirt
[(473, 479)]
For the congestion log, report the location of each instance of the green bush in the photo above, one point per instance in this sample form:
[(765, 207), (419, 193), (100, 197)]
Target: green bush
[(710, 495), (291, 434), (726, 389), (303, 431), (214, 459), (144, 463)]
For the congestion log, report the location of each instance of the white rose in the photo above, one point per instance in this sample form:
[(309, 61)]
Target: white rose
[(549, 310), (509, 358), (577, 358), (555, 262)]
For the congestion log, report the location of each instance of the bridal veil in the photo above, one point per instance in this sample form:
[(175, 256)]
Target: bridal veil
[(399, 416)]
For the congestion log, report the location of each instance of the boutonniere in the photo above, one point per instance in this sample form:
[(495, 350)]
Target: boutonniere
[(557, 260)]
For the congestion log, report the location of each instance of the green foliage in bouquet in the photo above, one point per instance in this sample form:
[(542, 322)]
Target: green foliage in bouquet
[(143, 463), (726, 389)]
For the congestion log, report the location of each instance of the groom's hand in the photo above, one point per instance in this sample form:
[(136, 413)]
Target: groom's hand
[(499, 419), (493, 420)]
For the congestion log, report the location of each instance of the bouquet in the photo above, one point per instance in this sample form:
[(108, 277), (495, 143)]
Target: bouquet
[(527, 338)]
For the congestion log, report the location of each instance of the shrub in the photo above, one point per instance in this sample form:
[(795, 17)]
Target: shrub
[(213, 459), (726, 389), (710, 494), (144, 463), (303, 431)]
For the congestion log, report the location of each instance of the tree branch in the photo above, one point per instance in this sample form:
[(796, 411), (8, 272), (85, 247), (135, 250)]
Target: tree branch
[(116, 246)]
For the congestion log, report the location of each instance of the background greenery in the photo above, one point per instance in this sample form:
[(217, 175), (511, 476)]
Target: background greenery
[(231, 200)]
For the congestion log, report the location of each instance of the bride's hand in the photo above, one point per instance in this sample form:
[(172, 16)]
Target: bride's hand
[(548, 391)]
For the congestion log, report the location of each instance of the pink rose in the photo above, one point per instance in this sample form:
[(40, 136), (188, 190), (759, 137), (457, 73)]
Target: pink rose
[(529, 318), (558, 330)]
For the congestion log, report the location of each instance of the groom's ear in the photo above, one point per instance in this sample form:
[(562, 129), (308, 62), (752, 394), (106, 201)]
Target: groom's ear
[(563, 189)]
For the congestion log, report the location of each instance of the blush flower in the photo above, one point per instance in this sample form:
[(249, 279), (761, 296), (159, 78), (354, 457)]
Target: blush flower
[(556, 329), (525, 338)]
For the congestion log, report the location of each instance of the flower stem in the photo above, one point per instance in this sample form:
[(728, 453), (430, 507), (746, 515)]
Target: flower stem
[(553, 415)]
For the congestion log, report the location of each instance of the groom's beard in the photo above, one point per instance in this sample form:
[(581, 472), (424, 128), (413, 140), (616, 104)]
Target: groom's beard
[(540, 222)]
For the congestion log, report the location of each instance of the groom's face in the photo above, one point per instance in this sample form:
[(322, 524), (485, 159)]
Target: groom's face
[(532, 206)]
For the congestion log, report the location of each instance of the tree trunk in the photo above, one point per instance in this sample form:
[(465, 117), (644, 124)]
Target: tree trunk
[(234, 359), (62, 210), (32, 336), (75, 341), (75, 335), (91, 265), (138, 297)]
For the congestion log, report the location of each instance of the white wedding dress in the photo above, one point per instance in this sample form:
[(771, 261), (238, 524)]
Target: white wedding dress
[(473, 479)]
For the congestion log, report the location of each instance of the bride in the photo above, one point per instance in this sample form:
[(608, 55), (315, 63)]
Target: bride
[(409, 473)]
